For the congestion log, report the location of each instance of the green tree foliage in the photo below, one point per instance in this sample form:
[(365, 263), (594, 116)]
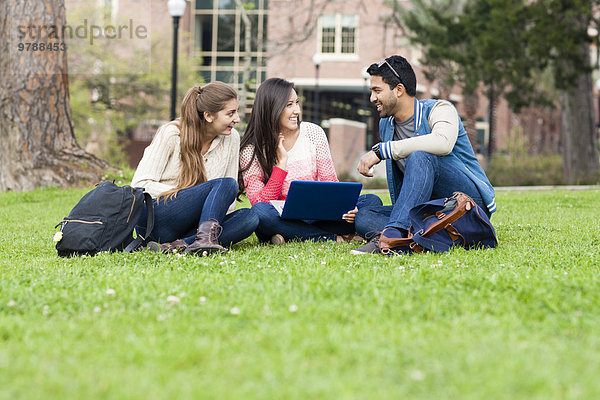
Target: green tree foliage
[(509, 43), (114, 87), (524, 50)]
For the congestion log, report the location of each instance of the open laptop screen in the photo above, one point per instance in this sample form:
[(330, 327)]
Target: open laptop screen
[(313, 200)]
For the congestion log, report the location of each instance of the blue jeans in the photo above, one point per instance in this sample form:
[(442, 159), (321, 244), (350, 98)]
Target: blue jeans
[(426, 177), (180, 216), (271, 223)]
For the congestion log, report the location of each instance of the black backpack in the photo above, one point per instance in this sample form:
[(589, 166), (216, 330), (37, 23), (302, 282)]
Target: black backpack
[(104, 220)]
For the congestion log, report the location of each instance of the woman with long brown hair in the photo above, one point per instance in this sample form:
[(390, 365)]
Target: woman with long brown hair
[(278, 148), (190, 169)]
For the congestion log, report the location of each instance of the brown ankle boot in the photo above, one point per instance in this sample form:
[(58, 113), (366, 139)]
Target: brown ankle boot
[(207, 239), (177, 246)]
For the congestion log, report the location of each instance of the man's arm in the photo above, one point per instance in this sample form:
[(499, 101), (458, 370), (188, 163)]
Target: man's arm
[(443, 121)]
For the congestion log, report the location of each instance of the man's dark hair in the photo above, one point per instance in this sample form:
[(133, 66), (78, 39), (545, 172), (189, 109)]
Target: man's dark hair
[(389, 67)]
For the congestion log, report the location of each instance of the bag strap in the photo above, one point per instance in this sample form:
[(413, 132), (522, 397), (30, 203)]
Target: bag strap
[(464, 203), (436, 245), (137, 242), (150, 212), (401, 242)]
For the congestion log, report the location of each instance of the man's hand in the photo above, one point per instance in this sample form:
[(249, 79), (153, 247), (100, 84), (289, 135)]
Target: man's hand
[(350, 216), (366, 162)]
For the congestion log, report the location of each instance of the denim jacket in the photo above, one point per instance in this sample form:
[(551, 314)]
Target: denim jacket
[(462, 155)]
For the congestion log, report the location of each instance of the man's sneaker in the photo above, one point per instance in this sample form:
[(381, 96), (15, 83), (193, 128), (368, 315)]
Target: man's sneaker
[(372, 245), (277, 239)]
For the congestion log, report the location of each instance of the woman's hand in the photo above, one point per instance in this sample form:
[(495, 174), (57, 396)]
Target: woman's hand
[(282, 155), (350, 216)]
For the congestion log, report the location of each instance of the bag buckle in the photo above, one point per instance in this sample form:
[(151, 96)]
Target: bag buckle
[(416, 247)]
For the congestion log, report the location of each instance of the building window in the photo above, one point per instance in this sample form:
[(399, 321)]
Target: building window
[(328, 34), (338, 33), (204, 4), (219, 39)]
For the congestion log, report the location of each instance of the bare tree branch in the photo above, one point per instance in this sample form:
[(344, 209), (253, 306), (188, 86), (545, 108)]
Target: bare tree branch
[(309, 25)]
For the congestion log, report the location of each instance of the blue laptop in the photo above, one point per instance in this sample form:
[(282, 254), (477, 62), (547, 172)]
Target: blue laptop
[(314, 200)]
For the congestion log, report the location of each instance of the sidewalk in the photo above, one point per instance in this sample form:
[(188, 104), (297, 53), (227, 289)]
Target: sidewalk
[(521, 188), (557, 187)]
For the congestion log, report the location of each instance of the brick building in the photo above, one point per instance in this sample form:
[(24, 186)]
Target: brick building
[(343, 36), (285, 39), (347, 36)]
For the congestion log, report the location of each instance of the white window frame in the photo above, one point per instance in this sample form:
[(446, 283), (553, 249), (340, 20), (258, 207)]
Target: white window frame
[(337, 55)]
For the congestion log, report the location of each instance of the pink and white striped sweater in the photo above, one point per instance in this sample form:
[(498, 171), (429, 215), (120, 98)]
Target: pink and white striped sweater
[(309, 160)]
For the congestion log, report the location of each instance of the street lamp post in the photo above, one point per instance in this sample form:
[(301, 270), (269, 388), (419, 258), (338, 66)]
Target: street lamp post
[(317, 59), (176, 9), (598, 87)]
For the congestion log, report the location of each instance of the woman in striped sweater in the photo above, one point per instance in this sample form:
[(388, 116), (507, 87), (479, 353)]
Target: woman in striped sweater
[(278, 148)]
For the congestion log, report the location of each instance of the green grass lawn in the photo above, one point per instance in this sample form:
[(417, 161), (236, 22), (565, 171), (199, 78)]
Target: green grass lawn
[(305, 320)]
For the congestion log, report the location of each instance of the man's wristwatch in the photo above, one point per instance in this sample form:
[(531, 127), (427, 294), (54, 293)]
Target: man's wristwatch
[(376, 150)]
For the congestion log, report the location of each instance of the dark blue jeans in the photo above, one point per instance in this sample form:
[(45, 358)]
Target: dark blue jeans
[(426, 177), (179, 217), (271, 223)]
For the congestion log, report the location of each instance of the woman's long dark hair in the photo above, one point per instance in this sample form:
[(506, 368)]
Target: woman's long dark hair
[(263, 126)]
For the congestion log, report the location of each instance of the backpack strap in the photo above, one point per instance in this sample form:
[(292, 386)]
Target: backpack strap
[(137, 242)]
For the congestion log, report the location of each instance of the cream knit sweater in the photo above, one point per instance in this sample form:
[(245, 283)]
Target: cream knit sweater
[(158, 169)]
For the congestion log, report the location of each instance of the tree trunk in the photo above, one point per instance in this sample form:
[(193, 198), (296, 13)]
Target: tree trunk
[(470, 105), (37, 145), (492, 108), (579, 131)]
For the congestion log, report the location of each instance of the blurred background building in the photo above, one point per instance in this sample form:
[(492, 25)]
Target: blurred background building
[(324, 47)]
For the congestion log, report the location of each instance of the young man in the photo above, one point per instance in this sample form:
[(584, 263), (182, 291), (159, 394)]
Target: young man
[(428, 155)]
